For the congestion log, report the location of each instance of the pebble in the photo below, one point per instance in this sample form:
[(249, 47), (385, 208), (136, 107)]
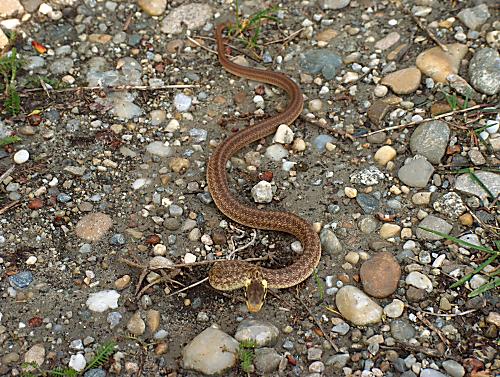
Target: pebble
[(438, 64), (484, 71), (153, 7), (182, 102), (357, 307), (262, 192), (395, 309), (211, 352), (404, 81), (94, 226), (384, 154), (317, 367), (430, 140), (283, 135), (388, 230), (380, 275), (388, 41), (428, 372), (263, 333), (320, 141), (453, 368), (419, 280), (416, 172), (36, 354), (450, 205), (103, 300), (434, 223), (315, 105), (474, 17), (368, 177), (21, 280), (350, 192), (341, 328), (136, 324), (153, 320), (122, 282), (266, 360), (77, 362), (401, 329), (276, 152), (338, 361), (329, 242), (324, 61), (334, 4), (380, 90), (21, 156), (191, 15)]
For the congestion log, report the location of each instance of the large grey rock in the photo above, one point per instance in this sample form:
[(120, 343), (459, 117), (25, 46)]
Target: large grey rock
[(211, 352), (416, 172), (266, 360), (484, 71), (430, 140), (473, 18), (329, 242)]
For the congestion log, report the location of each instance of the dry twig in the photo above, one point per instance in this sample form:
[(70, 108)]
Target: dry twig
[(188, 287)]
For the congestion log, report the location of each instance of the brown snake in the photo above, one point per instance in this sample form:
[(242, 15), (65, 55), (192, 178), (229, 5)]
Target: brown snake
[(234, 274)]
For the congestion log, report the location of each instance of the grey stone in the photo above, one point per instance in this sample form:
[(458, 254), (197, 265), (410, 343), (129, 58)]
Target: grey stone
[(320, 141), (416, 172), (338, 361), (453, 368), (368, 203), (368, 177), (263, 333), (484, 71), (329, 242), (491, 180), (402, 330), (450, 204), (334, 4), (428, 372), (324, 61), (433, 223), (193, 15), (430, 140), (266, 360), (473, 18), (211, 352), (21, 280)]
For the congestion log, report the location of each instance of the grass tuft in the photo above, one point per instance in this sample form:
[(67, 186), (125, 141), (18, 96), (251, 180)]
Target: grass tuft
[(246, 354)]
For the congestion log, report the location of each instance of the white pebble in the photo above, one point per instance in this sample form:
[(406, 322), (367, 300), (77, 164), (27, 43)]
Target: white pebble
[(31, 260), (21, 156), (380, 90), (189, 258), (283, 135), (262, 192), (259, 101)]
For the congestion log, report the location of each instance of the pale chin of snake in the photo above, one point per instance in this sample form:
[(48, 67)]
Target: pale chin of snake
[(229, 275)]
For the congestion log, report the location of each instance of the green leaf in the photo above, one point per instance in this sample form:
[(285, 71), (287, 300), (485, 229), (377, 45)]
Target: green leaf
[(459, 241), (102, 355), (475, 178), (485, 287), (9, 140), (476, 270)]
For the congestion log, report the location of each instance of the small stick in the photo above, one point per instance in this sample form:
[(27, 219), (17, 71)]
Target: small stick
[(173, 266), (325, 334), (188, 287), (286, 39), (200, 45), (13, 204), (425, 29), (243, 247), (424, 120), (426, 322), (443, 314), (6, 173), (112, 88)]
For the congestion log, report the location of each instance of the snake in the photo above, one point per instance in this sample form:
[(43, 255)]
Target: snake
[(227, 275)]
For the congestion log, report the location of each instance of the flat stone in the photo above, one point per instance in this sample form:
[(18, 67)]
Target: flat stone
[(329, 242), (402, 330), (153, 7), (266, 360), (484, 71), (473, 18), (334, 4), (416, 172), (384, 154), (36, 354), (380, 275), (430, 140), (211, 352), (93, 227), (453, 368), (11, 8), (357, 307), (419, 280), (378, 110), (263, 333), (192, 16), (136, 324), (321, 61), (103, 300), (434, 223), (450, 205), (429, 372), (404, 81), (438, 64), (395, 309), (491, 180), (388, 41)]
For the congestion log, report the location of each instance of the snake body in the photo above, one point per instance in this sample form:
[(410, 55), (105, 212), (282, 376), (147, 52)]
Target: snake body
[(232, 274)]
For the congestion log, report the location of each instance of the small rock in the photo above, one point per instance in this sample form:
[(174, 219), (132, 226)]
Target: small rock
[(261, 332), (122, 282), (419, 280), (266, 360), (395, 309), (211, 352), (389, 230), (36, 354), (368, 177), (473, 18), (429, 372), (384, 155), (329, 242), (438, 64), (450, 204), (276, 152), (416, 172), (179, 164), (136, 324), (21, 156), (338, 361), (430, 140), (334, 4), (93, 227), (77, 362), (103, 300), (191, 15), (153, 8), (182, 102), (283, 135), (388, 41), (404, 81), (159, 149), (153, 320), (380, 275), (315, 105), (21, 280), (491, 180), (262, 192), (433, 223), (357, 307), (402, 330), (484, 71)]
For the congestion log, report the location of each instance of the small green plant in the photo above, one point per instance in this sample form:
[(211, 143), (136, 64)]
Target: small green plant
[(101, 357), (9, 64), (9, 140), (246, 354), (495, 280), (455, 102), (248, 30)]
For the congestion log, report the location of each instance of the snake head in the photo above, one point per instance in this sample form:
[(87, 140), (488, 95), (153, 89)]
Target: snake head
[(255, 292)]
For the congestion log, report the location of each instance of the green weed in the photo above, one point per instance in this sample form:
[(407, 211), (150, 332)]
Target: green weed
[(319, 285), (9, 140), (246, 354), (495, 280), (101, 357), (9, 65)]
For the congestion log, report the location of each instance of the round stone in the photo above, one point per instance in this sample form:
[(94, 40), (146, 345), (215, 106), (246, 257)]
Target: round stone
[(21, 156), (380, 275), (93, 227), (357, 307), (384, 155)]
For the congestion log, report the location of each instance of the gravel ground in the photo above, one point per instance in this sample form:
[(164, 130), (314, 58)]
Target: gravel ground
[(107, 228)]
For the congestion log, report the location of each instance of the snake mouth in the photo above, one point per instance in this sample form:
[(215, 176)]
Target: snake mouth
[(254, 307)]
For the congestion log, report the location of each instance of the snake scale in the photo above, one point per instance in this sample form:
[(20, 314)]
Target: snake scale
[(234, 274)]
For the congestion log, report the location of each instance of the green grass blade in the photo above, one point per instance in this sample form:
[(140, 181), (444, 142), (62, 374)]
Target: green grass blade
[(485, 287), (9, 140), (483, 186), (102, 355), (476, 270), (460, 242)]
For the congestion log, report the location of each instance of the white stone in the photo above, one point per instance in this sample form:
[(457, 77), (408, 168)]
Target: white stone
[(103, 300), (357, 307), (182, 102), (31, 260), (45, 8), (276, 152), (283, 135), (21, 156), (419, 280), (77, 362), (189, 258), (262, 192), (159, 262), (139, 183), (394, 309), (172, 126)]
